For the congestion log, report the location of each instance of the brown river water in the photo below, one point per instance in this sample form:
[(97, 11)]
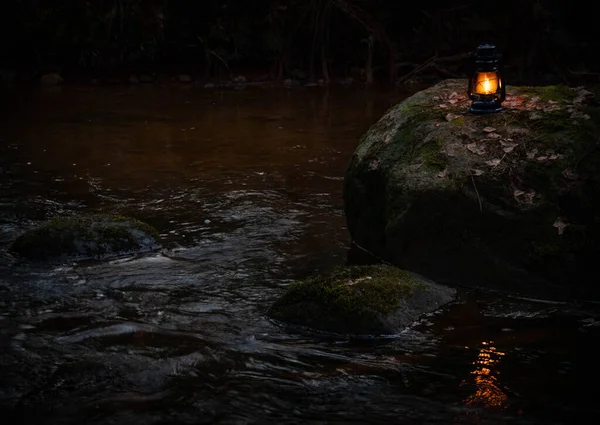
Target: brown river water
[(245, 188)]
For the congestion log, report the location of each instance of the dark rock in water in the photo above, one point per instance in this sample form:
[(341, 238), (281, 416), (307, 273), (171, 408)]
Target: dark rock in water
[(185, 78), (297, 74), (86, 237), (507, 200), (147, 78), (289, 82), (52, 79), (373, 300)]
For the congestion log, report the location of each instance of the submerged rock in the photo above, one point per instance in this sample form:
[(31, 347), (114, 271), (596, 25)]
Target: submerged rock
[(86, 237), (360, 300), (509, 200)]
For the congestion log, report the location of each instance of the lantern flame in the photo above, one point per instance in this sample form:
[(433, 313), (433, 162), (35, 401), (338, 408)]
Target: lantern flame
[(487, 83)]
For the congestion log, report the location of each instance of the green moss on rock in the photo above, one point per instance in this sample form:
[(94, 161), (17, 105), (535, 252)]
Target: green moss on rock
[(359, 300), (510, 199), (558, 93), (432, 156), (81, 237)]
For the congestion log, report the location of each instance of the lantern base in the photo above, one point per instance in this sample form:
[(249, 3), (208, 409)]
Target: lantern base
[(479, 107)]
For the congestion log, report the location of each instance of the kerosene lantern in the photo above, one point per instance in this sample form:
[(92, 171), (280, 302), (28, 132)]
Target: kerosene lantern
[(486, 86)]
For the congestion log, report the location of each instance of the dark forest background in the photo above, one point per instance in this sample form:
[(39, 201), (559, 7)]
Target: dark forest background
[(542, 41)]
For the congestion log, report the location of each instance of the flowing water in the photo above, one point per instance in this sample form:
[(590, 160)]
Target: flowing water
[(245, 188)]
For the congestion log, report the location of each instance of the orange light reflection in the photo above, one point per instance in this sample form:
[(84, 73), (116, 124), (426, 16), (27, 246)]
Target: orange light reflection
[(488, 393)]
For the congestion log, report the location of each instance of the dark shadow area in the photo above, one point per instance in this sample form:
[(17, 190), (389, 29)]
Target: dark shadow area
[(544, 41)]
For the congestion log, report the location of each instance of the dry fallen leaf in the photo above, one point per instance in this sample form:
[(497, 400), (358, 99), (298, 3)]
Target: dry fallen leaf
[(535, 116), (452, 101), (508, 147), (552, 107), (560, 225), (493, 136), (531, 154), (489, 129), (452, 149), (524, 197), (517, 131), (580, 115), (451, 116), (542, 158), (529, 197), (569, 174), (582, 94), (473, 147), (443, 106), (513, 101), (477, 172), (493, 162), (443, 173), (388, 138)]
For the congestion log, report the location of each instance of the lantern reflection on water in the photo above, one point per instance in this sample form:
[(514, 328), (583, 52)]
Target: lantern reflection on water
[(488, 393)]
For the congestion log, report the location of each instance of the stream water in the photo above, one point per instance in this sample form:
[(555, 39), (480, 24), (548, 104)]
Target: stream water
[(245, 188)]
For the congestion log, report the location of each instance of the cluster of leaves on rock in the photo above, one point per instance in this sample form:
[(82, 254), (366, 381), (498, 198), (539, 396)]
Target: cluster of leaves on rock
[(506, 149), (543, 148), (318, 36)]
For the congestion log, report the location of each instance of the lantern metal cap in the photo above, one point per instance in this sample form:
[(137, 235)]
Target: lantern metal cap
[(487, 53), (486, 49)]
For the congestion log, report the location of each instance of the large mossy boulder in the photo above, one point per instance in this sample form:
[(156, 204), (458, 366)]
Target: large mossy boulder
[(86, 237), (370, 300), (509, 200)]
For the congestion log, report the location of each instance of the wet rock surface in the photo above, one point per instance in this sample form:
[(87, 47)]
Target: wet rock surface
[(507, 200), (375, 299), (86, 237)]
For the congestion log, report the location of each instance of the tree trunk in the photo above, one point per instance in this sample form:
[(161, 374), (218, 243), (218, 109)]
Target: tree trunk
[(392, 63), (369, 65), (325, 65)]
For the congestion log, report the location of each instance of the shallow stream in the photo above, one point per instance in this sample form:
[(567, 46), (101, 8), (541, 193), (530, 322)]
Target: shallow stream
[(245, 188)]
